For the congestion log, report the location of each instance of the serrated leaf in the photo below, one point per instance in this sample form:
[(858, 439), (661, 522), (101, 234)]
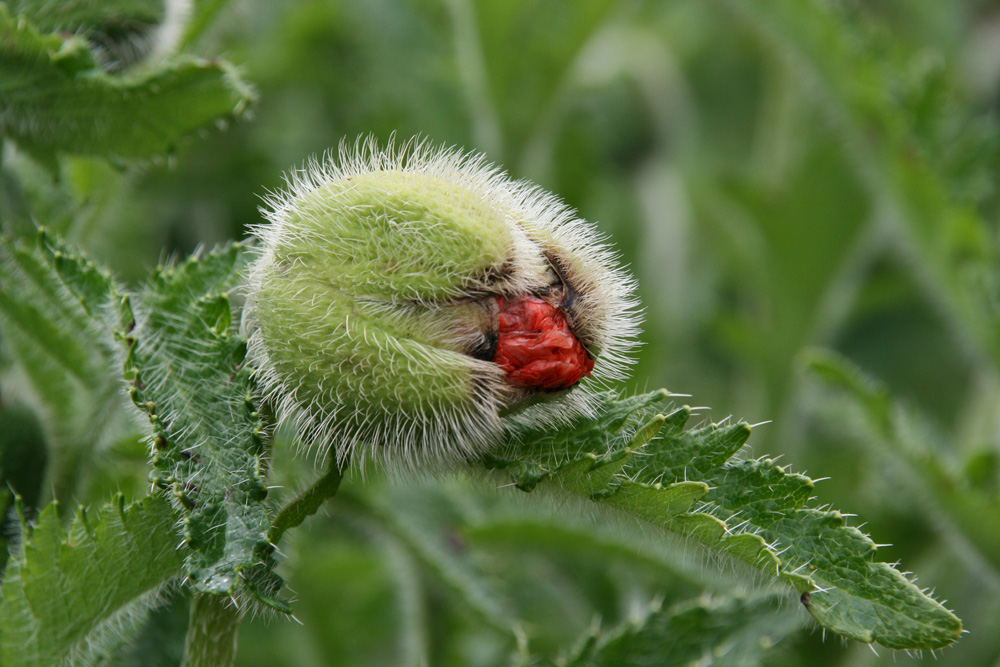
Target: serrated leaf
[(66, 593), (185, 366), (691, 483), (68, 16), (719, 631), (901, 435), (55, 96), (52, 308), (51, 298)]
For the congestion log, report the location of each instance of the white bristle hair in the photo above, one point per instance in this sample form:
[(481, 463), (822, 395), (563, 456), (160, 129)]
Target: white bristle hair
[(432, 438)]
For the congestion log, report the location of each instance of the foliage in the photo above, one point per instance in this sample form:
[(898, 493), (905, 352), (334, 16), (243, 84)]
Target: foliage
[(753, 510), (797, 185), (56, 97), (723, 629), (70, 594)]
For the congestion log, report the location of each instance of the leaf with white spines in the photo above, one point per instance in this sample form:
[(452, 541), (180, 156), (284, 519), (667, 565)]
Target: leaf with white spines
[(185, 366), (55, 96), (687, 483), (54, 309), (70, 594)]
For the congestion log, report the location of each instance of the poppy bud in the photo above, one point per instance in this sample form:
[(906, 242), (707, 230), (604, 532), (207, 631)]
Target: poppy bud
[(406, 301)]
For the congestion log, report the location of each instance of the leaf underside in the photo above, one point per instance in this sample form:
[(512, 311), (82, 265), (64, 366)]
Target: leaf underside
[(185, 368), (67, 593), (54, 96), (636, 457)]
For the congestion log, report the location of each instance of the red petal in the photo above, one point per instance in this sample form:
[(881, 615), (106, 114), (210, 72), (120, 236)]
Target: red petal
[(536, 346)]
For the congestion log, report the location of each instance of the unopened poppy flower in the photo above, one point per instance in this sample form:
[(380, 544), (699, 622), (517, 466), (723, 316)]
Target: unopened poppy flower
[(408, 302)]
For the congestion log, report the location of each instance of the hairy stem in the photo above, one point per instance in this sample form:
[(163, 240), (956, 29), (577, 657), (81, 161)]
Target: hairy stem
[(306, 503), (212, 632), (215, 622)]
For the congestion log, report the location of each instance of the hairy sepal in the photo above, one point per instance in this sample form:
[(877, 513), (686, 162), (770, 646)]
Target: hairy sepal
[(375, 287)]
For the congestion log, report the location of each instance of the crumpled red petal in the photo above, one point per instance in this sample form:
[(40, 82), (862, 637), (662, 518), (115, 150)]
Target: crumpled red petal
[(536, 346)]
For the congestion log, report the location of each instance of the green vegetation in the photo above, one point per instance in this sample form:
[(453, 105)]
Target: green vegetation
[(805, 192)]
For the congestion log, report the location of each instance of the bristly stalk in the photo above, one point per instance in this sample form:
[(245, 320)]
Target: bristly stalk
[(214, 620), (306, 503), (212, 632)]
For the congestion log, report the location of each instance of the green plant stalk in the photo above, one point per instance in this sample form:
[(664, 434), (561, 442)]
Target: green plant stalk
[(306, 503), (212, 632), (214, 621)]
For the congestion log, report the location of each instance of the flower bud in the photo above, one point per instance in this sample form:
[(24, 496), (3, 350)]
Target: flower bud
[(406, 301)]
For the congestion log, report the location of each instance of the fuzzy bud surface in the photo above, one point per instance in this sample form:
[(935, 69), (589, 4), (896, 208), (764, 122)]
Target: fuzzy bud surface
[(406, 301)]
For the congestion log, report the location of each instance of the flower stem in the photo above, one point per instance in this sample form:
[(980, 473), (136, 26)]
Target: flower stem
[(215, 621), (306, 503), (212, 632)]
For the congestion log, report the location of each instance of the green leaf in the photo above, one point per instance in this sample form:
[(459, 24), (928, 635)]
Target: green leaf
[(927, 159), (69, 595), (902, 436), (70, 15), (52, 305), (55, 96), (708, 631), (185, 367), (691, 483), (51, 298)]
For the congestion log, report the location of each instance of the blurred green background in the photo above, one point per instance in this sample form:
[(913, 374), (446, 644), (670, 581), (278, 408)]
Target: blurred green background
[(782, 177)]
